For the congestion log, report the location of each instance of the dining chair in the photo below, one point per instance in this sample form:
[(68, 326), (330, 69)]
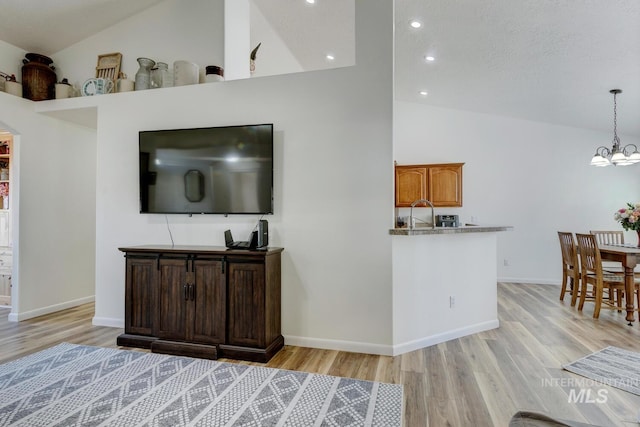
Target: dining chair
[(592, 273), (570, 266), (609, 237)]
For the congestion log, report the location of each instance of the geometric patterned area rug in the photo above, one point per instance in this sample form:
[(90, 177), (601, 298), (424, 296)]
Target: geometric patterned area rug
[(77, 385), (612, 366)]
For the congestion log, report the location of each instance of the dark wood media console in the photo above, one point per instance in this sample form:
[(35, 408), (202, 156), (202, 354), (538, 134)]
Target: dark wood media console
[(203, 301)]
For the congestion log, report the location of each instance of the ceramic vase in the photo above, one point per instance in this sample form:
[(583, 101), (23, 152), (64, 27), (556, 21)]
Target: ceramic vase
[(38, 77), (185, 73)]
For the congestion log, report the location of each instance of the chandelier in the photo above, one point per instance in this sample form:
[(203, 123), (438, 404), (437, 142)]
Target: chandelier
[(627, 155)]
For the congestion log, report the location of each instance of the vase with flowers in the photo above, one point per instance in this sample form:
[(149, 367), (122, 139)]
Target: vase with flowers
[(4, 193), (629, 218)]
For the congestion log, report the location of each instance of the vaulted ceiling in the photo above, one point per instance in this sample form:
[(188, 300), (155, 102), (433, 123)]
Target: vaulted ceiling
[(545, 60)]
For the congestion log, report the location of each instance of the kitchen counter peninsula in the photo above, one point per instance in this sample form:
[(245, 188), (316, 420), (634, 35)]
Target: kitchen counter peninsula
[(444, 283), (419, 231)]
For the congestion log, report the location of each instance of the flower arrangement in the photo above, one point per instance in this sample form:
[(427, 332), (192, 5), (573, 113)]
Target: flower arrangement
[(4, 189), (629, 217)]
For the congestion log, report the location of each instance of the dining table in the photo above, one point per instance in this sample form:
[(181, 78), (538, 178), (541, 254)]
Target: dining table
[(628, 255)]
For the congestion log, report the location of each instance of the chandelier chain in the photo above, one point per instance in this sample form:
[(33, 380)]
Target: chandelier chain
[(615, 118)]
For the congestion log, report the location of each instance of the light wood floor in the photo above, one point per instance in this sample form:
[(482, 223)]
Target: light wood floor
[(480, 380)]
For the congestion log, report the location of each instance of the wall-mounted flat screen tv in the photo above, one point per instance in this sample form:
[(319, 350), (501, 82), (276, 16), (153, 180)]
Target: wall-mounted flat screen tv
[(215, 170)]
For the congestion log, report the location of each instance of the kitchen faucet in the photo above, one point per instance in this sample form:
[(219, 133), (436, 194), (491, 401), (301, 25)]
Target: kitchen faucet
[(433, 217)]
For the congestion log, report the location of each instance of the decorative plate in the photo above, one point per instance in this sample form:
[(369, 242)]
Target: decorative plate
[(89, 88)]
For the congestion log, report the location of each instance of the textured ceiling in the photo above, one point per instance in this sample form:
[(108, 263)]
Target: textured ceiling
[(544, 60)]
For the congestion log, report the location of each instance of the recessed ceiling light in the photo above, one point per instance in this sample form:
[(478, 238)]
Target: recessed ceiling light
[(415, 23), (423, 93), (311, 1), (330, 57), (429, 58)]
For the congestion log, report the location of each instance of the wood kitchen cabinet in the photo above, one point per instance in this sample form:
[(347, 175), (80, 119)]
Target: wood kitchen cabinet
[(207, 302), (411, 184), (441, 184)]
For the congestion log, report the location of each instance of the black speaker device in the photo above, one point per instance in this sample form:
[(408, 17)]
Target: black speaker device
[(263, 233)]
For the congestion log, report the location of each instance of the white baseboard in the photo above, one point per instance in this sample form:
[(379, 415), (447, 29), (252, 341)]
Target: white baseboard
[(529, 281), (18, 317), (388, 350), (351, 346), (107, 321), (443, 337)]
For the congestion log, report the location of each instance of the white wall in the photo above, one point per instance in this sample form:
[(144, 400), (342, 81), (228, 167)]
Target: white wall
[(11, 60), (237, 34), (431, 270), (333, 186), (533, 176), (52, 210)]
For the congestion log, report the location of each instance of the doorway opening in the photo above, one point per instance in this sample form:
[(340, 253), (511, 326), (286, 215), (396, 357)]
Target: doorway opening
[(6, 239)]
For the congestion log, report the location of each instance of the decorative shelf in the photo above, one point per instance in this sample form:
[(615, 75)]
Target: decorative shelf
[(83, 110)]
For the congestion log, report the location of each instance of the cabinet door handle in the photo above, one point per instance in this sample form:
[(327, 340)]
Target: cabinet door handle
[(185, 289), (192, 292)]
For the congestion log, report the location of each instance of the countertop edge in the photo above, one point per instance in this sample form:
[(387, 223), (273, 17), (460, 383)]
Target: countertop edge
[(449, 230)]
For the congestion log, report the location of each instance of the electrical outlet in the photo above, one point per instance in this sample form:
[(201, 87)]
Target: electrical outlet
[(452, 301), (506, 262), (474, 219)]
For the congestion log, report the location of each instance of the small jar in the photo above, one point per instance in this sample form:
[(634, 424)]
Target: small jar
[(13, 87), (63, 89), (161, 76), (123, 84), (213, 73)]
